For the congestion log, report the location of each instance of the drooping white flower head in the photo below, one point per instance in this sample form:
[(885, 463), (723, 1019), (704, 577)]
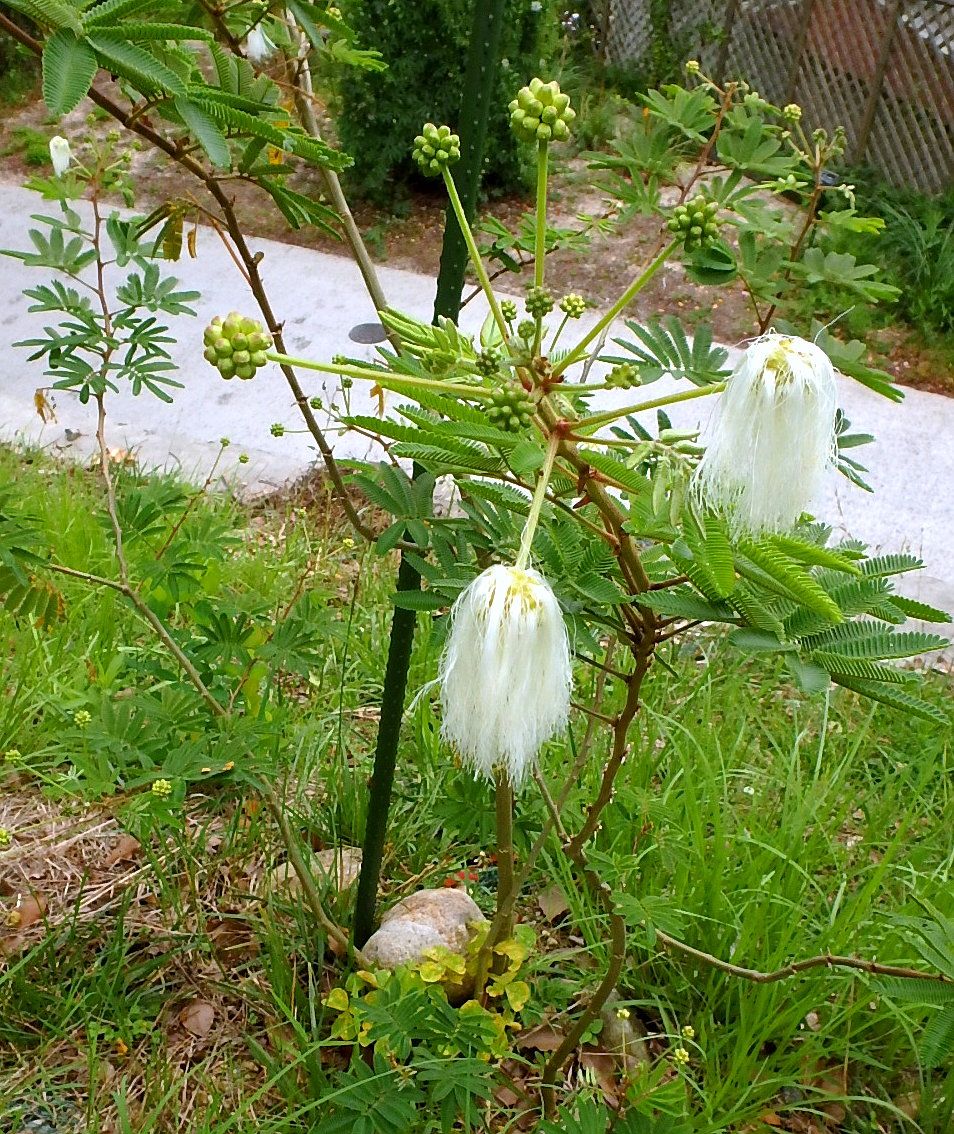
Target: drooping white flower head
[(258, 47), (505, 675), (772, 437), (60, 155)]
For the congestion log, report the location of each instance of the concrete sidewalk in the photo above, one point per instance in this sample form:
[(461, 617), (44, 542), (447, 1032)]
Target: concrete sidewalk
[(321, 298)]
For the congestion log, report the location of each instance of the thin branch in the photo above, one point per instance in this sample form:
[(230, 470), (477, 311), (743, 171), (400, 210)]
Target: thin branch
[(823, 960)]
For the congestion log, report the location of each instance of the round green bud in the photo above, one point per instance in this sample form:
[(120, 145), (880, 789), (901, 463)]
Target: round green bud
[(223, 348), (526, 329), (692, 67), (258, 358), (488, 363), (792, 112), (435, 148), (316, 403), (539, 302), (226, 368), (277, 429), (573, 306), (508, 309), (541, 112), (210, 356), (622, 377), (245, 372), (240, 341)]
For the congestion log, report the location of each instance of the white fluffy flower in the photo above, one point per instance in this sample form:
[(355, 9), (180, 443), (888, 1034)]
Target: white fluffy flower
[(258, 47), (60, 155), (505, 675), (772, 437)]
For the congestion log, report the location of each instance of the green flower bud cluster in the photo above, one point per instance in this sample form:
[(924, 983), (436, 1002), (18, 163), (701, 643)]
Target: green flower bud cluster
[(692, 67), (508, 309), (539, 302), (573, 305), (511, 407), (435, 148), (488, 363), (695, 222), (792, 111), (754, 101), (526, 329), (236, 345), (622, 377), (541, 113), (277, 429)]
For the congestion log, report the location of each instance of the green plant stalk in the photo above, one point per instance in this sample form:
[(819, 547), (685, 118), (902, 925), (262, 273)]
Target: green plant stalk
[(383, 378), (628, 295), (481, 272), (536, 506), (540, 233), (597, 419), (478, 89), (503, 800)]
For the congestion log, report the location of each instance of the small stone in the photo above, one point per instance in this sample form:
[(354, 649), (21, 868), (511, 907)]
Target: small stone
[(338, 865), (425, 920), (402, 942)]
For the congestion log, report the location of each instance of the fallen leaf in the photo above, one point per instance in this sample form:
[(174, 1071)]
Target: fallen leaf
[(28, 911), (197, 1018), (542, 1038), (44, 407), (552, 902), (770, 1118), (125, 850), (602, 1066)]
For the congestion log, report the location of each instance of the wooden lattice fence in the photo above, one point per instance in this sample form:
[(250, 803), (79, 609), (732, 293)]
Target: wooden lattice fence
[(883, 69)]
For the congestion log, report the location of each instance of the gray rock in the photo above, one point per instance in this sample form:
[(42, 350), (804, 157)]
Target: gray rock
[(401, 942)]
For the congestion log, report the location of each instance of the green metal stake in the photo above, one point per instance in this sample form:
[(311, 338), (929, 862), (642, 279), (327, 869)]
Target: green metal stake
[(479, 81)]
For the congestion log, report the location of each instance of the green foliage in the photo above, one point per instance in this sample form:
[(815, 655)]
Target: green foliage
[(424, 45)]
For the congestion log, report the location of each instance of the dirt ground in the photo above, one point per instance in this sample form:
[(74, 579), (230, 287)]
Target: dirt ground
[(412, 240)]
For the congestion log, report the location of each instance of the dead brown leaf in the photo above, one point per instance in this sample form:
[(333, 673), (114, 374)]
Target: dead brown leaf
[(125, 850), (542, 1038), (603, 1067), (197, 1018), (552, 902), (29, 909)]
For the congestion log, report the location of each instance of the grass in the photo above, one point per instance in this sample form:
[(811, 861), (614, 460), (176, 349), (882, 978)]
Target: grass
[(749, 821)]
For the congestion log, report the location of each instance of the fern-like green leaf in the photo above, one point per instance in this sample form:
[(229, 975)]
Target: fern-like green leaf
[(680, 602), (894, 697), (616, 471), (26, 596), (205, 131), (111, 10), (461, 458), (859, 596), (869, 640), (717, 552), (135, 64), (896, 564), (844, 666), (795, 579), (49, 13), (914, 609), (69, 67), (813, 555), (745, 601)]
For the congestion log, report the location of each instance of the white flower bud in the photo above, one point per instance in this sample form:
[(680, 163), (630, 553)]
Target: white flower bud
[(772, 437), (505, 675), (258, 47), (60, 155)]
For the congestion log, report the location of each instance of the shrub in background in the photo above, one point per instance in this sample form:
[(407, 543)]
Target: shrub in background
[(424, 43)]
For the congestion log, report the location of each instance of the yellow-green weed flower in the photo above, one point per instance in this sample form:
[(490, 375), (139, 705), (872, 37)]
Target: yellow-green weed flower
[(162, 788), (435, 148)]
